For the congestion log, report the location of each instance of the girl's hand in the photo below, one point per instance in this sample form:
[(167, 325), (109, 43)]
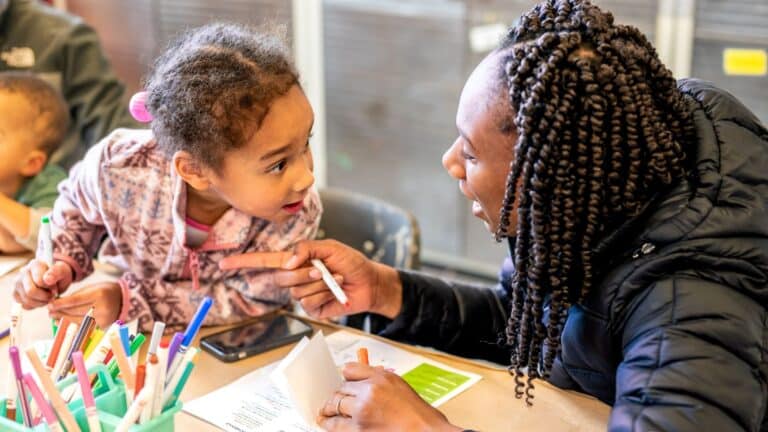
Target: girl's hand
[(373, 399), (369, 286), (37, 284), (106, 299)]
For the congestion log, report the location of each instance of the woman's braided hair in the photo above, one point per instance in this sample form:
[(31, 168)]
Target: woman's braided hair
[(602, 127)]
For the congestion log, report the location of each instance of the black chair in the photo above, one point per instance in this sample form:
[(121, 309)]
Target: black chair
[(383, 232)]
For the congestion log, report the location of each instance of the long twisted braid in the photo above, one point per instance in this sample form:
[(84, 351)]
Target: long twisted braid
[(602, 127)]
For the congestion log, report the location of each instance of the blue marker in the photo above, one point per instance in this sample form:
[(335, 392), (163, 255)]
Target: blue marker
[(189, 336), (125, 338), (197, 321)]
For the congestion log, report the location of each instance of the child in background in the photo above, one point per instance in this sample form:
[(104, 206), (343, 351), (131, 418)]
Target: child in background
[(226, 168), (33, 122)]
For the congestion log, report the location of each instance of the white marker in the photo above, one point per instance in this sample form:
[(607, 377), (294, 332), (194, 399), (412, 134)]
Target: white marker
[(133, 413), (15, 330), (162, 366), (157, 334), (46, 242), (154, 342), (331, 282)]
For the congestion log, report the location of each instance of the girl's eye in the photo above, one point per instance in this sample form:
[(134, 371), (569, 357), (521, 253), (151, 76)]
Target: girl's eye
[(306, 147), (278, 167), (467, 156)]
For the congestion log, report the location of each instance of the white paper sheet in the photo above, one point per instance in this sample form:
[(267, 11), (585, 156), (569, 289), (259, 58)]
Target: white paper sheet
[(254, 403)]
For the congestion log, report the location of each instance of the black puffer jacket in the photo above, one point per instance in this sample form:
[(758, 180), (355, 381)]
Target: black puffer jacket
[(675, 337)]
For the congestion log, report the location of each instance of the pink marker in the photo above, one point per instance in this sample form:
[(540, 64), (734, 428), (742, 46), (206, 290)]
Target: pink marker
[(16, 366), (45, 407), (85, 388)]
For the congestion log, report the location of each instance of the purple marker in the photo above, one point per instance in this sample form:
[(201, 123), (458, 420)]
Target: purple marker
[(189, 335), (173, 348)]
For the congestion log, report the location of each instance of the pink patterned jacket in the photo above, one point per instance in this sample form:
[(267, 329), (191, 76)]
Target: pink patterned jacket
[(126, 189)]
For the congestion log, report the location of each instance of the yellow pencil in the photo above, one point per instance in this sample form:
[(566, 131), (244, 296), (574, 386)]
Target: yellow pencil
[(93, 342), (53, 394)]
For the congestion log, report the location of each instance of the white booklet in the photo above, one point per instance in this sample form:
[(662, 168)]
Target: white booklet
[(308, 376), (260, 401)]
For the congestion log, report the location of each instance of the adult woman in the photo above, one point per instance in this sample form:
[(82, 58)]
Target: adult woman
[(636, 214)]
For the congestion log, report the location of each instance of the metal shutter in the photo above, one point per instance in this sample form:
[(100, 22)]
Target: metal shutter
[(394, 70), (174, 16)]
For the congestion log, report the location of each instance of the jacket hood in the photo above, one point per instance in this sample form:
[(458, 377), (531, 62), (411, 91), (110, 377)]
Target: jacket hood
[(714, 224)]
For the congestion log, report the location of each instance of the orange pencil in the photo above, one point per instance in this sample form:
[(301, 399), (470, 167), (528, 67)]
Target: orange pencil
[(141, 372), (54, 354), (362, 355)]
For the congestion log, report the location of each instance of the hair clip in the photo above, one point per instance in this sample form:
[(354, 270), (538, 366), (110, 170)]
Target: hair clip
[(138, 107)]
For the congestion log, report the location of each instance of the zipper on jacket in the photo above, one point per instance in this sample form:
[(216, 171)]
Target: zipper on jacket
[(194, 268), (643, 250)]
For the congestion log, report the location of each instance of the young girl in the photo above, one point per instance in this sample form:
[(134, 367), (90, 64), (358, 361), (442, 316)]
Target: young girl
[(226, 168)]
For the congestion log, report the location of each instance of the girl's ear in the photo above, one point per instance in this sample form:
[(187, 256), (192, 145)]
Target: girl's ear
[(191, 171), (33, 163)]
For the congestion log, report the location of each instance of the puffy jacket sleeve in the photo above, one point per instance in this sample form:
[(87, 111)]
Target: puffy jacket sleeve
[(693, 360), (462, 319)]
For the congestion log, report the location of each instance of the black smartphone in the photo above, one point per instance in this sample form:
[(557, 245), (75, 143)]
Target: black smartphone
[(255, 337)]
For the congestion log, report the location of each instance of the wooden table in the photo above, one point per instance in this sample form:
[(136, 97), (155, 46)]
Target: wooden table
[(489, 405)]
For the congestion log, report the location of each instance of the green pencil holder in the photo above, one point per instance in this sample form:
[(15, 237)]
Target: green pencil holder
[(110, 397), (113, 409), (110, 419)]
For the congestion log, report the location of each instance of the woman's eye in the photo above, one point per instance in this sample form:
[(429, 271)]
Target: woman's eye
[(278, 167), (467, 156)]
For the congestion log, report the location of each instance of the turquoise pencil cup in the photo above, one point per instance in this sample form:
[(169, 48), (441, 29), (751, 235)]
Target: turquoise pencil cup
[(111, 396), (111, 409), (163, 423), (110, 405), (18, 425)]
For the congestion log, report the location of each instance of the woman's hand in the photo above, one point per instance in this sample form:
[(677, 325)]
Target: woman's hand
[(106, 299), (373, 399), (369, 286), (37, 285)]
